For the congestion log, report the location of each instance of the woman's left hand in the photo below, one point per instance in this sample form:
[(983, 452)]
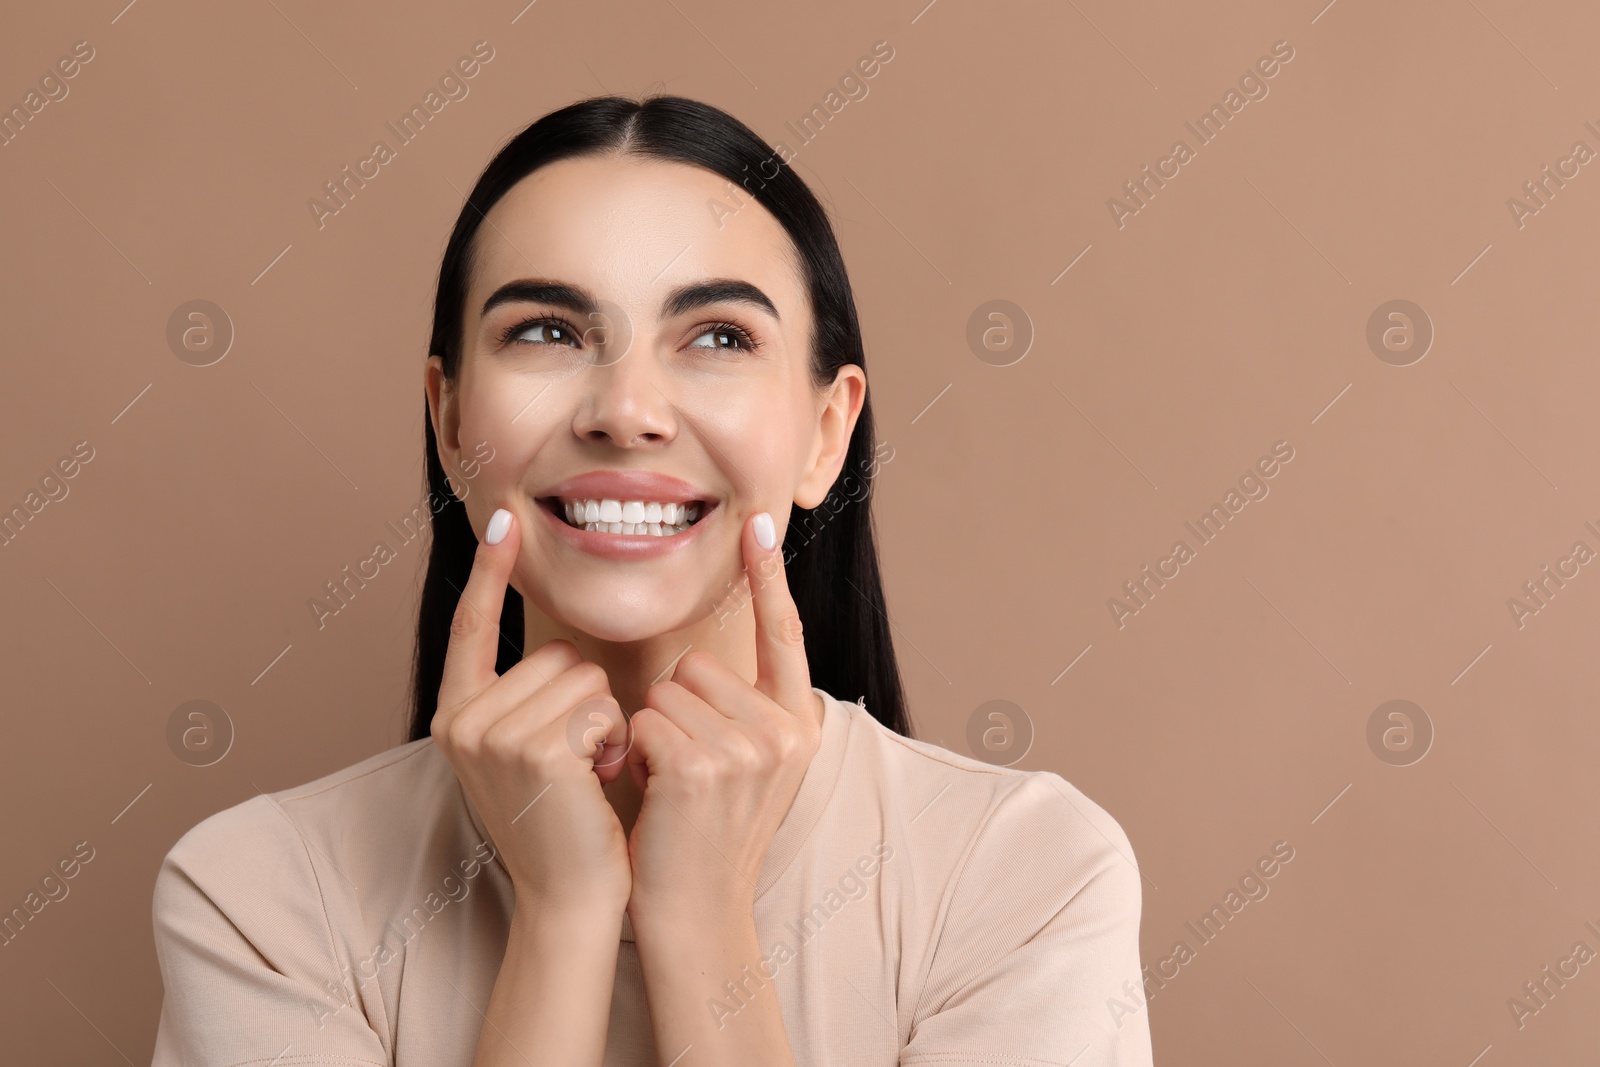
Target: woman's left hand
[(719, 760)]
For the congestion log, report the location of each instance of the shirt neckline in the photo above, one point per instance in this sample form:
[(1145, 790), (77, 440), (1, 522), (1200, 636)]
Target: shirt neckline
[(816, 788)]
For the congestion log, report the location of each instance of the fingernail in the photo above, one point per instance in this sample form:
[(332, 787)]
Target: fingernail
[(766, 533), (499, 523)]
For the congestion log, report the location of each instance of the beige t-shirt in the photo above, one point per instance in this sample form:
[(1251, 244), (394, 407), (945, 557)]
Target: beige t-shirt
[(915, 907)]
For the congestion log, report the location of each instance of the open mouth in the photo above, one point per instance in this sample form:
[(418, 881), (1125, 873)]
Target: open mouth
[(649, 518)]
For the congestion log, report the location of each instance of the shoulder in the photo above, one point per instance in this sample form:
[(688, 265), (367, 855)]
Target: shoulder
[(1021, 900), (998, 824), (305, 842), (260, 914)]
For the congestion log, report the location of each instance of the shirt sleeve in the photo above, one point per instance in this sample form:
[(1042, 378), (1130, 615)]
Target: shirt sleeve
[(247, 952), (1037, 959)]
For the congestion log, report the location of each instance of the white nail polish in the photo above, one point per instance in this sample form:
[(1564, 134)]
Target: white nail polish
[(499, 523), (766, 533)]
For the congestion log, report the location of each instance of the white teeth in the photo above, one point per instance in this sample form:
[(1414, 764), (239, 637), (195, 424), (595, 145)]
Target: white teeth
[(636, 517)]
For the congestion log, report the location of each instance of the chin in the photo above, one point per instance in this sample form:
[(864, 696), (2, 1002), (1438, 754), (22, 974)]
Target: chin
[(621, 621)]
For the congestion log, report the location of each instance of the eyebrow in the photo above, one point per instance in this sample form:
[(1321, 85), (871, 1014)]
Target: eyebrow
[(579, 300)]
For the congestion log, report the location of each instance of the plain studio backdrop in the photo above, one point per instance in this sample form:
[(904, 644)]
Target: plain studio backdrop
[(1340, 344)]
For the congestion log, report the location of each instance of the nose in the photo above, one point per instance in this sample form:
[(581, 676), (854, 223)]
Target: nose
[(621, 401)]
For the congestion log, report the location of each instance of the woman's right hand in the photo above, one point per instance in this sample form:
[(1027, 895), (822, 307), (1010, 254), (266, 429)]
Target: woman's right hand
[(516, 746)]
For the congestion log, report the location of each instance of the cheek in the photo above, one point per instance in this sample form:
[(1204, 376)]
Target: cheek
[(758, 435), (486, 430), (508, 409), (492, 400)]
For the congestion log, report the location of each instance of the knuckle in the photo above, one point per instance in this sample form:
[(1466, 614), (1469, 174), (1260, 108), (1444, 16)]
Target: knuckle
[(788, 629), (698, 771), (793, 746), (788, 743), (559, 651), (507, 746), (498, 744), (589, 673), (778, 750), (696, 661), (749, 758), (464, 622), (464, 739)]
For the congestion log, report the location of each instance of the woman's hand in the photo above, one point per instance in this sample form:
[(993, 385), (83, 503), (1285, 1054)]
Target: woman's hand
[(719, 761), (523, 745)]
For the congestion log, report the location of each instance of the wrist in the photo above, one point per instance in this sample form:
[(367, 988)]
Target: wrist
[(690, 917), (535, 909), (554, 938)]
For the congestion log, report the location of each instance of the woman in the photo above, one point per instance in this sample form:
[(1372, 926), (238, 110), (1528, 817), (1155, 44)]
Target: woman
[(645, 363)]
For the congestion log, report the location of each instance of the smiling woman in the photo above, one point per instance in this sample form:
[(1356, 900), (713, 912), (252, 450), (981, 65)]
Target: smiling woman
[(668, 785)]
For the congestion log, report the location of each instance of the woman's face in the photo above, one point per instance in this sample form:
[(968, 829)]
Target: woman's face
[(617, 346)]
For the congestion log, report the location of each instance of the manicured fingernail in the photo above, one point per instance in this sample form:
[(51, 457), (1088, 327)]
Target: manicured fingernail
[(766, 534), (499, 523)]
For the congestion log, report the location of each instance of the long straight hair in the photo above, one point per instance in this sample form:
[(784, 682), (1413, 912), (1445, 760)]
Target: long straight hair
[(831, 558)]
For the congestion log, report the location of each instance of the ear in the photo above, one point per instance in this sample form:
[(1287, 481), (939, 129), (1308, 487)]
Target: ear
[(443, 412), (836, 421)]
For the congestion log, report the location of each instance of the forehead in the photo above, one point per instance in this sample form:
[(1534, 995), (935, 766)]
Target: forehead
[(630, 229)]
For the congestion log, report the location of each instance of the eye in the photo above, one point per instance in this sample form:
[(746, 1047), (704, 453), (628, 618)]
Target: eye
[(548, 331), (727, 336)]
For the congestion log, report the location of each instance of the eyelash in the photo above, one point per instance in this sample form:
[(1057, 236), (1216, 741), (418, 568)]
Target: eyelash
[(745, 338)]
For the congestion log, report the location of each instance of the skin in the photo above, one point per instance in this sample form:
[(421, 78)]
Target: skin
[(666, 813)]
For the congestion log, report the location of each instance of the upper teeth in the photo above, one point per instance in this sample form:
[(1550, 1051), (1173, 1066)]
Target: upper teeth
[(631, 516)]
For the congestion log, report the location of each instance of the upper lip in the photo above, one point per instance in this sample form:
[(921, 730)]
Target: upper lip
[(628, 485)]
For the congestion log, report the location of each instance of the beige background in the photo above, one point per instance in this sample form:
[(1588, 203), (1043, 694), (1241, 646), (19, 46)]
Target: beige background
[(1229, 314)]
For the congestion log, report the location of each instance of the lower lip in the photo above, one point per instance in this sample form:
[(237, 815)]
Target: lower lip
[(623, 546)]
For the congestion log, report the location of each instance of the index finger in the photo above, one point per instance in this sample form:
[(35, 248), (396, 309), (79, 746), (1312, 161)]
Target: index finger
[(782, 671), (470, 656)]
